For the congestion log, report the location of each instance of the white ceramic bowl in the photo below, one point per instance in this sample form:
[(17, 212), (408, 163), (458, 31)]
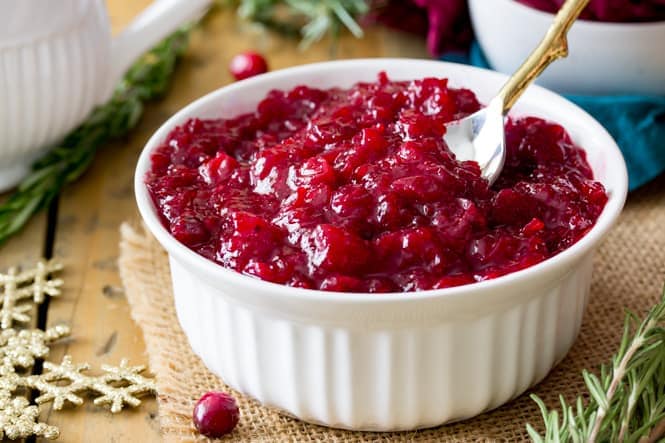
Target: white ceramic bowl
[(604, 58), (392, 361)]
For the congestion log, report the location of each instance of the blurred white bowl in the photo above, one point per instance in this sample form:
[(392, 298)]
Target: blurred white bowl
[(604, 58), (386, 361)]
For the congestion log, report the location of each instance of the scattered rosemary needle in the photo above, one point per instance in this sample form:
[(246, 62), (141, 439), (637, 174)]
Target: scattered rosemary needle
[(312, 20), (146, 80), (627, 402)]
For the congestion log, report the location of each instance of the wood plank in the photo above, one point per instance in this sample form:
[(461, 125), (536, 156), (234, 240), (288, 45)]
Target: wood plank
[(93, 304), (27, 247), (92, 210)]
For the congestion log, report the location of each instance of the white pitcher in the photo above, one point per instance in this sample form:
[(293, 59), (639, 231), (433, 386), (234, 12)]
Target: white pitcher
[(58, 61)]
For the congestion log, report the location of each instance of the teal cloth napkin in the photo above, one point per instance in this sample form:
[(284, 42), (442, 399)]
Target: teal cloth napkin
[(637, 123)]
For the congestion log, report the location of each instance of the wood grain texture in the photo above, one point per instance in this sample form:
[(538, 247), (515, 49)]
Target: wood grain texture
[(91, 210), (26, 248)]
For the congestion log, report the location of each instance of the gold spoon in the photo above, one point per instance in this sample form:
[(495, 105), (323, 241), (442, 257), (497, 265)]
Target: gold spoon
[(480, 136)]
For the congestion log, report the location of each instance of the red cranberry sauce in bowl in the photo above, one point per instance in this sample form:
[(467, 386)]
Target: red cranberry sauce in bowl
[(355, 190)]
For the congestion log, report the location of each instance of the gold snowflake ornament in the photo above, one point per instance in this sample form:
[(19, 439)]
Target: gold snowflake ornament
[(18, 419), (20, 291), (61, 383), (20, 348), (18, 351), (117, 387)]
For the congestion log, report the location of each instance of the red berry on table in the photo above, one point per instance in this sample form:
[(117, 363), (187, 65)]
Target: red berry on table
[(247, 64), (215, 414)]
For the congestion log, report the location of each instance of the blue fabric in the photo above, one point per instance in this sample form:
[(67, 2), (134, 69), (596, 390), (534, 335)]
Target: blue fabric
[(636, 122)]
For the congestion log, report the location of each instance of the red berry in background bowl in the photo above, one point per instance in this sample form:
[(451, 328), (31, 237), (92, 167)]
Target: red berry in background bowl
[(215, 414), (247, 64)]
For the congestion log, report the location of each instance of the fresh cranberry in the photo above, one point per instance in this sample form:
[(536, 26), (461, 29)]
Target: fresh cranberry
[(215, 414), (355, 190), (247, 64)]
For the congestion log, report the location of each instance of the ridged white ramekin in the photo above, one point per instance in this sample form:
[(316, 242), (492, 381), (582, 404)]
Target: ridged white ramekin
[(392, 361)]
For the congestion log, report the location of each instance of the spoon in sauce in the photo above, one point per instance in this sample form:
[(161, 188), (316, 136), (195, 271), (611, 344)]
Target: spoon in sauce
[(480, 136)]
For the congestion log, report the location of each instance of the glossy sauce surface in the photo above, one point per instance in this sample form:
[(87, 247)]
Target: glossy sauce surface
[(355, 190)]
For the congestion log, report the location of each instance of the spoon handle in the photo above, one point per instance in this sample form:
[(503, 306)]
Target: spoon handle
[(553, 46)]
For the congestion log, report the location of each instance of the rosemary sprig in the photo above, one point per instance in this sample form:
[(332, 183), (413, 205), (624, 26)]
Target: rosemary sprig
[(146, 80), (312, 19), (627, 401)]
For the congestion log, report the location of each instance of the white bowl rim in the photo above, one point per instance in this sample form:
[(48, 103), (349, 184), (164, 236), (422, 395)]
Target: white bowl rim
[(213, 270), (595, 25)]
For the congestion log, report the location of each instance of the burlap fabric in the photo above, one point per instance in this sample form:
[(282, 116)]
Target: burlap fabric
[(629, 273)]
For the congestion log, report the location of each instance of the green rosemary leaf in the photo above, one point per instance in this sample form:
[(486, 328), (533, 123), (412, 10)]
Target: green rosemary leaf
[(36, 177), (344, 16), (23, 214), (533, 434), (312, 20), (627, 399), (625, 338), (595, 389), (146, 80)]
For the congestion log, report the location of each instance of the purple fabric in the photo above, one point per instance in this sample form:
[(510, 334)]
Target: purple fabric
[(445, 22), (611, 10), (449, 25)]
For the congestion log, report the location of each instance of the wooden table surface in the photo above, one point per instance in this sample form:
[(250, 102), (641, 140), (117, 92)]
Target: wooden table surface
[(82, 229)]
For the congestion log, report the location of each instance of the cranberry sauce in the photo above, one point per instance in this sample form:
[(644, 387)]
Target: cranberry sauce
[(355, 190)]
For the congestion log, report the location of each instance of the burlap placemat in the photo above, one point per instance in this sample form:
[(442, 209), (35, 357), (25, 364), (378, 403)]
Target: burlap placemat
[(629, 273)]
